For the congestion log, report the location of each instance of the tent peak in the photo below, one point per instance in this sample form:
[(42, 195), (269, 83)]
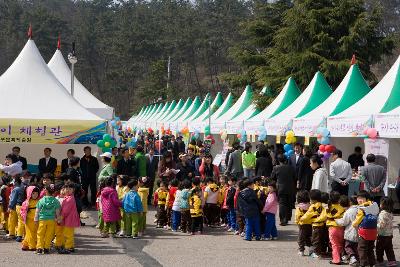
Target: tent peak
[(30, 33), (59, 42), (353, 60)]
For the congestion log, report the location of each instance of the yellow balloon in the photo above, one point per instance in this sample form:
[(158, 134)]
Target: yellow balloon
[(290, 134), (107, 144), (287, 140)]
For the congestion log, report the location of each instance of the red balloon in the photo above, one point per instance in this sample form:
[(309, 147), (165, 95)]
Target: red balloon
[(330, 148), (322, 148)]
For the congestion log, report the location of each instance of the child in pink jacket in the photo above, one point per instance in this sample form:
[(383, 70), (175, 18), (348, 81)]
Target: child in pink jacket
[(270, 209), (70, 218), (110, 207)]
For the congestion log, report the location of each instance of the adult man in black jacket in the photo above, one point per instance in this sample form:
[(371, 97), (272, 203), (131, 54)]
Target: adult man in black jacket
[(152, 167), (126, 165), (47, 164), (65, 162), (285, 178), (16, 150), (89, 167)]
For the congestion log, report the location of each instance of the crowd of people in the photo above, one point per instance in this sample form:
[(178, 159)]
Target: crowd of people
[(336, 216)]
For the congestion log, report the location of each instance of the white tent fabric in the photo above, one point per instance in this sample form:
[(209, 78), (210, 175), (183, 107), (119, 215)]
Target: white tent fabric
[(31, 91), (182, 120), (308, 124), (61, 70), (254, 123), (388, 124), (237, 124), (200, 122), (356, 118), (282, 122)]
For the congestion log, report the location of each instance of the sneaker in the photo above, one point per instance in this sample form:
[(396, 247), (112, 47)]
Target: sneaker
[(392, 263), (155, 221), (25, 248), (236, 232), (63, 251), (8, 236), (345, 258), (230, 230), (135, 236), (165, 227), (121, 234), (19, 239), (168, 227), (192, 233), (174, 231), (39, 251), (159, 226), (199, 232), (46, 251), (242, 234), (353, 261), (336, 263), (315, 255), (71, 250), (268, 239), (300, 253), (104, 235), (275, 238), (223, 225)]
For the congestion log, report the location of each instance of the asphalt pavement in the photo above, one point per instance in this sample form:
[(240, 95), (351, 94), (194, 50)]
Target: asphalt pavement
[(159, 247)]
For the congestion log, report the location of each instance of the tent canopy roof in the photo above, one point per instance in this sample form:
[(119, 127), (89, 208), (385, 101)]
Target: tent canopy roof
[(215, 105), (241, 104), (33, 92), (61, 70)]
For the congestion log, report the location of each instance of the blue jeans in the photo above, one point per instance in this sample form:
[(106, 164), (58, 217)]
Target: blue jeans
[(232, 219), (176, 219), (253, 226), (249, 173), (270, 226)]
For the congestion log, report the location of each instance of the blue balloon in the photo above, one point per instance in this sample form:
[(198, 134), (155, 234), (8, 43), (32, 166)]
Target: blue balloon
[(325, 132), (290, 152), (325, 141), (287, 147), (286, 155)]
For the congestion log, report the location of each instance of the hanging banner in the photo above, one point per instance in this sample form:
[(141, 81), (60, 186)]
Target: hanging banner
[(51, 131), (388, 125), (307, 126), (216, 128), (348, 126), (234, 127), (253, 126)]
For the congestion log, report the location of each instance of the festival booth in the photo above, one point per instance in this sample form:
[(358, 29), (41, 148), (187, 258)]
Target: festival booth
[(153, 120), (38, 112), (134, 117), (352, 88), (236, 125), (200, 122), (287, 95), (164, 120), (149, 119), (241, 105), (181, 122), (169, 122), (61, 70), (316, 92), (158, 122)]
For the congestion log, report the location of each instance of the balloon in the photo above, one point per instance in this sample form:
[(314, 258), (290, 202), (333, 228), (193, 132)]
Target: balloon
[(354, 134), (319, 136), (327, 155), (365, 131), (100, 143), (372, 133), (290, 152), (106, 149), (324, 140), (107, 138), (290, 134), (239, 136), (330, 148), (287, 140), (322, 148), (107, 144), (113, 143), (287, 147), (224, 135), (207, 130), (325, 132), (159, 144)]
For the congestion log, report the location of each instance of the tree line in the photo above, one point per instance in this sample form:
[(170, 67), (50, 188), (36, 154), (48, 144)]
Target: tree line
[(123, 47)]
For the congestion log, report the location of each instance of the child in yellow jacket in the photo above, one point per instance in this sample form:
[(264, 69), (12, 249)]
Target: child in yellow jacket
[(336, 209), (122, 189), (196, 211), (143, 194), (28, 210), (305, 228), (316, 215)]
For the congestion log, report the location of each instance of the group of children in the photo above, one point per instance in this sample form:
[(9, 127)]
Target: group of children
[(345, 228), (245, 208), (40, 214)]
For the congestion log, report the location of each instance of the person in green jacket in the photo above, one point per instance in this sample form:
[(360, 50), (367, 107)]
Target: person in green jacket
[(107, 169), (248, 161), (141, 162)]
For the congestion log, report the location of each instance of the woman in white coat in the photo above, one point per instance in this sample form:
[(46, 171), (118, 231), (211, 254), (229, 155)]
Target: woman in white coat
[(320, 178)]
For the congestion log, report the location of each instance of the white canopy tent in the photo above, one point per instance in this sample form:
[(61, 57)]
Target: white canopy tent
[(61, 70)]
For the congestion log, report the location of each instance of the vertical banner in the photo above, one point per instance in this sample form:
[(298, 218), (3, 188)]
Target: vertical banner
[(380, 148)]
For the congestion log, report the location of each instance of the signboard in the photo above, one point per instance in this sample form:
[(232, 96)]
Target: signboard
[(51, 131), (348, 126), (388, 125), (234, 127), (307, 126), (253, 126)]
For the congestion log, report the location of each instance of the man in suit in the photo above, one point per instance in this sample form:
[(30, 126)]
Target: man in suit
[(174, 147), (296, 160), (152, 166), (65, 162), (126, 165), (47, 164), (375, 178), (16, 150), (285, 178), (89, 167)]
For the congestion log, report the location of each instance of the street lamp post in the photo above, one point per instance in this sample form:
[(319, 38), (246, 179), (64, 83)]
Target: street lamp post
[(72, 59), (209, 112)]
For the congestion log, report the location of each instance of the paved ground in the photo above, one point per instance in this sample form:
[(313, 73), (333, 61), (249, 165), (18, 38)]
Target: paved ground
[(164, 248)]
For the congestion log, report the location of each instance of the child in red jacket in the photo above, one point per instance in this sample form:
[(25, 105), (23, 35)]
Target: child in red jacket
[(173, 187)]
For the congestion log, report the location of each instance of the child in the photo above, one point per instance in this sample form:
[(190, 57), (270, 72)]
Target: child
[(196, 211), (47, 212), (59, 230), (100, 223), (122, 189), (223, 187), (28, 210), (47, 179), (5, 193), (170, 201), (132, 205), (110, 207), (366, 221), (326, 249), (350, 232), (270, 209), (211, 209), (184, 206), (385, 233), (14, 208), (160, 198), (336, 209), (143, 192), (229, 205), (316, 214), (176, 211), (70, 219), (239, 216), (305, 228), (249, 206)]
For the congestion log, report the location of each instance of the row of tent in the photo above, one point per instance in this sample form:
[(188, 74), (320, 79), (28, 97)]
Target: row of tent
[(34, 90), (347, 112)]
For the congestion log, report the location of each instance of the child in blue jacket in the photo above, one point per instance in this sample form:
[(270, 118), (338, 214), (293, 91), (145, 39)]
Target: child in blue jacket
[(133, 207)]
